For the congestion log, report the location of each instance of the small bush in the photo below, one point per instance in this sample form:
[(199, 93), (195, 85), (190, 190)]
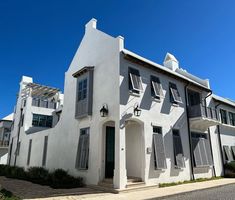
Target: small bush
[(7, 195), (38, 175), (15, 172)]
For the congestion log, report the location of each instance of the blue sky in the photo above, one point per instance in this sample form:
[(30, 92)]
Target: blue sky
[(39, 38)]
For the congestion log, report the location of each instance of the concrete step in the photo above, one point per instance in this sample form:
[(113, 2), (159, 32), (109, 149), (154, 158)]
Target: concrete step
[(133, 180), (135, 184)]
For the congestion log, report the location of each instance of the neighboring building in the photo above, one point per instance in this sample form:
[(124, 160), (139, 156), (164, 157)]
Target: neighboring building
[(124, 118), (5, 131)]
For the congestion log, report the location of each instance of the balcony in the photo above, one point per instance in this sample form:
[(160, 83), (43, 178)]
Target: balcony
[(202, 117), (43, 103)]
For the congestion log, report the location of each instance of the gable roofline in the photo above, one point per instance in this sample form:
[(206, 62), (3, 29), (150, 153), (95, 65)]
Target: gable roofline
[(163, 69)]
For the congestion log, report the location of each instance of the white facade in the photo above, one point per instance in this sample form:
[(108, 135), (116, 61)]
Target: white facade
[(120, 145)]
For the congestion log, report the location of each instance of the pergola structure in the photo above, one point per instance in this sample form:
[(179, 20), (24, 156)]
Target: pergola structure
[(37, 90)]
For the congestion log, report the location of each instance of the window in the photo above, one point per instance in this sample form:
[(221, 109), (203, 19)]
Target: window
[(29, 151), (135, 82), (44, 156), (159, 151), (83, 150), (233, 151), (156, 87), (194, 98), (232, 118), (223, 114), (17, 152), (228, 153), (82, 89), (22, 120), (174, 94), (42, 120), (201, 150), (178, 149)]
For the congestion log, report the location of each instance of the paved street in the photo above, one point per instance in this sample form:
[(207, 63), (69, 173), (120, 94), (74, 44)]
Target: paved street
[(220, 193)]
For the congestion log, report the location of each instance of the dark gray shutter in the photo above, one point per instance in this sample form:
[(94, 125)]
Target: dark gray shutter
[(178, 151), (228, 153), (83, 151), (159, 152), (196, 152), (203, 152), (44, 156), (208, 151), (233, 151), (29, 151)]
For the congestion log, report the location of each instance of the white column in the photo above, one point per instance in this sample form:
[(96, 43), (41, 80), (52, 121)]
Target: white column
[(120, 176)]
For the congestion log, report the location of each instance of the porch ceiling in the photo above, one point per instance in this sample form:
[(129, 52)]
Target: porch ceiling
[(202, 123)]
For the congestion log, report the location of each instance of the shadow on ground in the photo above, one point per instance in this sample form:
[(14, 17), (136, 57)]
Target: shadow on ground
[(28, 190)]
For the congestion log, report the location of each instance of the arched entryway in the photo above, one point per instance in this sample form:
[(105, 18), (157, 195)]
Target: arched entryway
[(134, 149)]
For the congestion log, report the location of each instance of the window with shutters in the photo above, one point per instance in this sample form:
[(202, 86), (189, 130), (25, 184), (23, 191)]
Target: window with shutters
[(232, 118), (233, 151), (135, 82), (84, 92), (17, 152), (156, 87), (228, 153), (178, 149), (44, 155), (83, 150), (201, 150), (223, 114), (174, 94), (159, 150)]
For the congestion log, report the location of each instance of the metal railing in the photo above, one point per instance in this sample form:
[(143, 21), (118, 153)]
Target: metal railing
[(43, 103), (4, 143), (202, 111)]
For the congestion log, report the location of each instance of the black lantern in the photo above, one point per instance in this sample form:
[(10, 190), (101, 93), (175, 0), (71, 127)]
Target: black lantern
[(137, 110), (104, 111)]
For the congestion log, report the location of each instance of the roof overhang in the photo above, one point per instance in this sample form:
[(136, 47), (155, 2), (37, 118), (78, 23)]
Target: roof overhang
[(223, 100), (83, 71), (161, 69)]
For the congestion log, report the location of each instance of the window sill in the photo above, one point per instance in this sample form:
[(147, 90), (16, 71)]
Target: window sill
[(175, 105), (156, 100), (134, 94), (179, 168)]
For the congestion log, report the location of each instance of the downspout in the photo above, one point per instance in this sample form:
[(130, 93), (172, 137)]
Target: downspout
[(18, 134), (189, 133), (209, 134), (220, 143)]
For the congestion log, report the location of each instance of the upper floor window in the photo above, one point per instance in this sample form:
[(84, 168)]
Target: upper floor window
[(232, 118), (156, 87), (174, 94), (135, 82), (82, 89), (42, 120), (223, 114)]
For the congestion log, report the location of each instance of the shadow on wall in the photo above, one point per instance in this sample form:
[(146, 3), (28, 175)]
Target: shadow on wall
[(169, 150)]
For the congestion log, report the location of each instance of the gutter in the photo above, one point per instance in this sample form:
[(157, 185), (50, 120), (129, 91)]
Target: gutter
[(189, 132)]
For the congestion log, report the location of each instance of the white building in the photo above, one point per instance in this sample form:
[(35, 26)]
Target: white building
[(124, 119), (5, 131)]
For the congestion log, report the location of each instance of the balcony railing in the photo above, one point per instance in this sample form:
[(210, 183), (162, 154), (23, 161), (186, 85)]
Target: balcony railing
[(4, 143), (202, 111), (43, 103)]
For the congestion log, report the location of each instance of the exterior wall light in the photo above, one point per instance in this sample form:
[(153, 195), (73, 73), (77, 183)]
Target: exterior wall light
[(137, 110), (104, 111)]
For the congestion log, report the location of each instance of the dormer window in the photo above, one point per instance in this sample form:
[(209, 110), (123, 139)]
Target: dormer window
[(174, 94), (156, 87), (135, 82)]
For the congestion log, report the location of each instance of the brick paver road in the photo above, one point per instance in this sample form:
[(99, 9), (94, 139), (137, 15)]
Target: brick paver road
[(226, 192)]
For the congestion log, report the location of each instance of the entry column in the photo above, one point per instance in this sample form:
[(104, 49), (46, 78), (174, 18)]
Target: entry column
[(120, 177)]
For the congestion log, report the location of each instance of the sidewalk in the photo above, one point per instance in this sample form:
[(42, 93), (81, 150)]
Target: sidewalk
[(151, 193)]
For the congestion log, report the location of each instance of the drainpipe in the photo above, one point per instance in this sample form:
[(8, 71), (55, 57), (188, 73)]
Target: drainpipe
[(18, 134), (209, 134), (189, 133), (220, 143)]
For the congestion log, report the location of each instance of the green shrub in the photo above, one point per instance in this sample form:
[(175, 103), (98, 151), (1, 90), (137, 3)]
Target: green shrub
[(230, 166), (38, 175), (15, 172), (61, 179), (3, 170), (7, 195)]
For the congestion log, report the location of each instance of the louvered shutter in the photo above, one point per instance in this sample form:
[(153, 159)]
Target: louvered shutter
[(159, 152), (228, 153), (44, 156), (233, 151), (196, 152), (178, 151), (29, 151)]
